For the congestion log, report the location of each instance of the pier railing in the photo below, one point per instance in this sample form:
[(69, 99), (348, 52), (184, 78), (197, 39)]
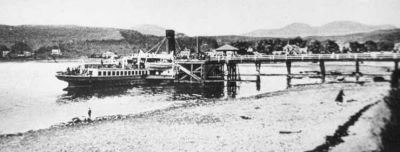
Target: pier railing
[(310, 57)]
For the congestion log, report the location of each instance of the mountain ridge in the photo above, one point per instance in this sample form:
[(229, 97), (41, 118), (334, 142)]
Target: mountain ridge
[(150, 29), (388, 35), (329, 29), (156, 30)]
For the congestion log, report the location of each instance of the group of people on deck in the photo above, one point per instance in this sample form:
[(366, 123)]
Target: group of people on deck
[(73, 71)]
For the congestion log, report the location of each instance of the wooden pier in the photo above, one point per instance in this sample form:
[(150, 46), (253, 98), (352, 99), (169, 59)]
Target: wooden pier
[(198, 71), (214, 69)]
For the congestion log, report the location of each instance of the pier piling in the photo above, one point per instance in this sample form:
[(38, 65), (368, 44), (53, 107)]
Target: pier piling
[(357, 70), (258, 81), (232, 74), (288, 82), (288, 66), (357, 67), (258, 67), (322, 67), (232, 88)]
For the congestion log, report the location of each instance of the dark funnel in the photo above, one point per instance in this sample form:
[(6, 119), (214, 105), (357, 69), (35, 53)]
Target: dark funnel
[(170, 35)]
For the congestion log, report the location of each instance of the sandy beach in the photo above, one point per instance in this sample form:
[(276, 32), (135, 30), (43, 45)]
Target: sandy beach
[(297, 119)]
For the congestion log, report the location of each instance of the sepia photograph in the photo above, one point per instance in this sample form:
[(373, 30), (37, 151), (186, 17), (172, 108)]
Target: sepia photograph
[(200, 75)]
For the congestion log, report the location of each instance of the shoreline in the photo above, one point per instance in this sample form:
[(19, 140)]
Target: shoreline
[(188, 103), (59, 60), (174, 112)]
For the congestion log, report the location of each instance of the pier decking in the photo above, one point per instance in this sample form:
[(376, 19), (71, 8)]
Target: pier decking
[(308, 57)]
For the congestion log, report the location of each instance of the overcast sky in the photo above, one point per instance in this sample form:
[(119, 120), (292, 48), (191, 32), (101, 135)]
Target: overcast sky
[(198, 17)]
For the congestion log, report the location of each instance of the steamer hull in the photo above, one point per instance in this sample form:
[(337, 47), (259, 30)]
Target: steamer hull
[(84, 81), (77, 81)]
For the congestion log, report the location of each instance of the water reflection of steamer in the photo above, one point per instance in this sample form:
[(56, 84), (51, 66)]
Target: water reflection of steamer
[(174, 91), (101, 91), (98, 91), (206, 90), (213, 90)]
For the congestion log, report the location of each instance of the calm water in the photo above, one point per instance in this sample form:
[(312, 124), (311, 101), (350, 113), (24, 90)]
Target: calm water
[(32, 98)]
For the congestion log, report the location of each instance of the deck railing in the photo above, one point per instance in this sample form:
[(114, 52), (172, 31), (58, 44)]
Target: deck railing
[(311, 57)]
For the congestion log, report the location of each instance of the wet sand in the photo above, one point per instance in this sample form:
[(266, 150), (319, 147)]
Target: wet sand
[(297, 119)]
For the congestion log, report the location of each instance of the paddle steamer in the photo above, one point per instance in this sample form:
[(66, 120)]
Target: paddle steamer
[(134, 69)]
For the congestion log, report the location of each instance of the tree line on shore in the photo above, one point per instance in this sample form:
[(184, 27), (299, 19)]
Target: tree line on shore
[(133, 42), (268, 46)]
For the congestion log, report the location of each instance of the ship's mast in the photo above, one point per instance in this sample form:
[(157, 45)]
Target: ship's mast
[(197, 45)]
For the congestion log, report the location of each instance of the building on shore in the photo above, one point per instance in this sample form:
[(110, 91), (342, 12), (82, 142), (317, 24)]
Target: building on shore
[(184, 53), (227, 50), (56, 52), (108, 54), (396, 47), (291, 49), (19, 54), (4, 53)]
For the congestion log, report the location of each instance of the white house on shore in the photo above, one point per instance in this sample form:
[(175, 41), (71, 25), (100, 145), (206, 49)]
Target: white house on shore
[(184, 53), (396, 47), (56, 52), (4, 53), (250, 49), (26, 54), (291, 49), (108, 54)]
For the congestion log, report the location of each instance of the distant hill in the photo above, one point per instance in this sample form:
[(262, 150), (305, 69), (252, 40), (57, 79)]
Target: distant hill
[(156, 30), (76, 41), (37, 35), (150, 29), (391, 35), (330, 29), (233, 38)]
